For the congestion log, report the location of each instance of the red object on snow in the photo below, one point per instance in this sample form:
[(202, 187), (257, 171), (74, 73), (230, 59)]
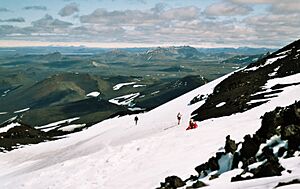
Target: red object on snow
[(193, 125)]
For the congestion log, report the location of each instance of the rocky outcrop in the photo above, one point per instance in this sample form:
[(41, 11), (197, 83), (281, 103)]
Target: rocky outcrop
[(198, 184), (230, 145), (257, 156), (171, 182), (20, 134)]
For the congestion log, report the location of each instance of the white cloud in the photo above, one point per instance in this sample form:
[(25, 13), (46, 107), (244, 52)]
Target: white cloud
[(182, 13), (43, 8), (2, 9), (164, 25), (69, 9), (19, 19), (227, 9), (276, 6)]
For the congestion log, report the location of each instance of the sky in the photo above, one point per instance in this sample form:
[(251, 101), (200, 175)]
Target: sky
[(145, 23)]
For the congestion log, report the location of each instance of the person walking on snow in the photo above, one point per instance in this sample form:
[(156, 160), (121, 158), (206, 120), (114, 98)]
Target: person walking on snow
[(136, 120), (179, 117)]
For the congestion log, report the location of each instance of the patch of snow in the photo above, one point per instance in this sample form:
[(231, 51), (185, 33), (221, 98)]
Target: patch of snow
[(155, 92), (284, 52), (275, 72), (120, 85), (57, 123), (257, 101), (5, 92), (257, 164), (2, 113), (244, 58), (268, 61), (22, 110), (124, 100), (275, 141), (220, 104), (262, 92), (93, 94), (70, 128), (235, 67), (247, 175), (284, 80), (142, 96), (9, 126), (135, 86), (136, 109), (271, 60)]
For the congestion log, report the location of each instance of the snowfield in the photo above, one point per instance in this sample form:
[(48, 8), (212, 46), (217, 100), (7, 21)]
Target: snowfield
[(117, 154)]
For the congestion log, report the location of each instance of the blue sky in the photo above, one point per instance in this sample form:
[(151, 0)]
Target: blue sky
[(121, 23)]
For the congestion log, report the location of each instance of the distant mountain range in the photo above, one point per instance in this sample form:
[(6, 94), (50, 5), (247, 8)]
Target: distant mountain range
[(93, 51)]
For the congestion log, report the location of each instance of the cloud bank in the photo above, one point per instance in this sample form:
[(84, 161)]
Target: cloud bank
[(225, 23)]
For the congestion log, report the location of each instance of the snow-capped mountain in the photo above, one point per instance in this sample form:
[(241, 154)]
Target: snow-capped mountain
[(116, 153)]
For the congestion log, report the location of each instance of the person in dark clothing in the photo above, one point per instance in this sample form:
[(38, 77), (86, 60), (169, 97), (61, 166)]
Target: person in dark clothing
[(179, 117), (136, 120)]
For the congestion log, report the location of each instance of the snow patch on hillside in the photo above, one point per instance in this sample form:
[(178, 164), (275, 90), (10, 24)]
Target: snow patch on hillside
[(220, 104), (22, 110), (120, 85), (9, 126), (93, 94), (124, 100), (268, 62), (56, 124), (72, 127)]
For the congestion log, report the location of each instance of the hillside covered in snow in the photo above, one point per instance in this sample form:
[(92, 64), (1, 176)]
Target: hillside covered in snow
[(116, 153)]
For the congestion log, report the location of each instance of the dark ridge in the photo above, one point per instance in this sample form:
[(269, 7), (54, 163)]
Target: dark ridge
[(237, 90)]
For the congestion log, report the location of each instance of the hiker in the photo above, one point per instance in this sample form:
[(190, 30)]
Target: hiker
[(179, 117), (192, 125), (136, 120)]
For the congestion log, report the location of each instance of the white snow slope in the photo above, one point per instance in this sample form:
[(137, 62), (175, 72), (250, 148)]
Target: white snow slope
[(117, 154)]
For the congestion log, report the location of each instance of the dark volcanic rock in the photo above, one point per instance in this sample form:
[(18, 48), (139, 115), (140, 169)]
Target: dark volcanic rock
[(283, 122), (199, 184), (270, 168), (290, 131), (172, 182), (21, 134), (281, 151), (230, 145), (249, 147), (213, 164), (268, 125)]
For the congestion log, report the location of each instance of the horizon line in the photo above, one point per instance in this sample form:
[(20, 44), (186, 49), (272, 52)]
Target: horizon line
[(111, 45)]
